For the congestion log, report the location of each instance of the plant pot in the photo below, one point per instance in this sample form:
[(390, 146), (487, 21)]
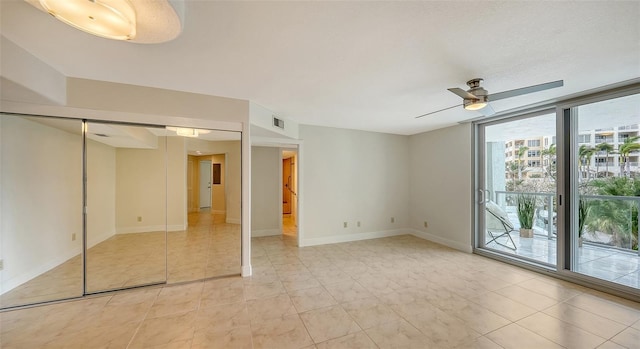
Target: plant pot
[(526, 233)]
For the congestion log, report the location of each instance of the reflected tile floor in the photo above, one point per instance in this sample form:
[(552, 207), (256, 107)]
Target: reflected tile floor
[(208, 248), (398, 292), (609, 264)]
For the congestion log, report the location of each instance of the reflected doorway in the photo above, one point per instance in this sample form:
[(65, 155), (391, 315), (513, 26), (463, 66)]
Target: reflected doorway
[(289, 193)]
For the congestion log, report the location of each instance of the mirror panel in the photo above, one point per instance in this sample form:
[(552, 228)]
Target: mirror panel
[(41, 209), (126, 206), (209, 176)]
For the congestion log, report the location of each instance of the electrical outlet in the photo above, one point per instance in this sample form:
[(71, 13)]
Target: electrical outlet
[(358, 224), (139, 218), (426, 225), (73, 237), (1, 264), (393, 220), (344, 224)]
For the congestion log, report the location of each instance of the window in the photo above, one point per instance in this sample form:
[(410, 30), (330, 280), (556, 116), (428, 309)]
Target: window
[(533, 153), (533, 163), (584, 138), (533, 143)]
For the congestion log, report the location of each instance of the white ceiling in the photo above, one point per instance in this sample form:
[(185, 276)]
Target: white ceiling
[(361, 65)]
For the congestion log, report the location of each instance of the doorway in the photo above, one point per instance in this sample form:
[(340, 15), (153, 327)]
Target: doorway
[(289, 193), (205, 184)]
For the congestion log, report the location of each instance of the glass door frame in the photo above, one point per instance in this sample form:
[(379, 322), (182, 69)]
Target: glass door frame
[(566, 160), (481, 194)]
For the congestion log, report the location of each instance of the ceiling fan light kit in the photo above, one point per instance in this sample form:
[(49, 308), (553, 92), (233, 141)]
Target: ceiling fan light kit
[(477, 98)]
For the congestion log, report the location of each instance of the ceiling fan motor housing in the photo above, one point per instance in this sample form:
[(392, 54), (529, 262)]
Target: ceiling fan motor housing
[(477, 91)]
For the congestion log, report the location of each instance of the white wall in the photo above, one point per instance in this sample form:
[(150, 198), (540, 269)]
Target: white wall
[(352, 176), (440, 181), (265, 191), (41, 199), (101, 192), (144, 187)]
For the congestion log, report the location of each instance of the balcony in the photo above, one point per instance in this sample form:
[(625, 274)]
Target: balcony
[(610, 236)]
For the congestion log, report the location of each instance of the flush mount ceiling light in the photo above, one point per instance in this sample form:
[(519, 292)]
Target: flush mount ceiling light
[(139, 21), (187, 132), (111, 19)]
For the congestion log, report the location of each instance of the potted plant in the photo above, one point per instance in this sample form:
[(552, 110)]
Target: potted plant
[(583, 212), (526, 207)]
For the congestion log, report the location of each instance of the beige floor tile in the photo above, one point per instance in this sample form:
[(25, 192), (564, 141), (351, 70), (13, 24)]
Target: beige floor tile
[(223, 317), (328, 323), (444, 330), (282, 333), (560, 332), (517, 337), (479, 343), (532, 299), (611, 345), (504, 306), (629, 338), (606, 308), (257, 290), (590, 322), (370, 312), (636, 325), (299, 281), (398, 334), (219, 296), (347, 291), (176, 299), (266, 308), (550, 289), (477, 317), (358, 340), (311, 298), (232, 338), (166, 330)]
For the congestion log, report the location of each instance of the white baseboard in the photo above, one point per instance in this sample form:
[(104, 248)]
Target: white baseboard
[(265, 232), (246, 271), (352, 237), (234, 220), (442, 241), (8, 285), (149, 228)]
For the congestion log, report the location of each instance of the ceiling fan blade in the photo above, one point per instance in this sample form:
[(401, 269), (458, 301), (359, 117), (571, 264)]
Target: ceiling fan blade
[(462, 93), (437, 111), (487, 110), (525, 90)]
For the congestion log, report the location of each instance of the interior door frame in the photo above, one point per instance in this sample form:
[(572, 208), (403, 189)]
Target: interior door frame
[(290, 144)]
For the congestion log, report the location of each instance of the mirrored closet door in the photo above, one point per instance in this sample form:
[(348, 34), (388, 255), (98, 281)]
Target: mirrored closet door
[(41, 209)]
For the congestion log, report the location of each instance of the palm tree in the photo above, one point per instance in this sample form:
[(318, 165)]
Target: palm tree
[(607, 148), (521, 152), (624, 149), (585, 153), (550, 154)]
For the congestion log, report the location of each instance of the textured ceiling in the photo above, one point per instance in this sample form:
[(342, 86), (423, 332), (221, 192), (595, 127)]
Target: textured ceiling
[(361, 65)]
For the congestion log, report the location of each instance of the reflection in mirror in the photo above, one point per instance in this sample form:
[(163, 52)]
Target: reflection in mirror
[(41, 216), (126, 206), (209, 245)]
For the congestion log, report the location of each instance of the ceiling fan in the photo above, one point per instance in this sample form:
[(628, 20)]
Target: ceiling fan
[(477, 98)]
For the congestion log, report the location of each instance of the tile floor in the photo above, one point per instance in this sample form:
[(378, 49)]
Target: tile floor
[(399, 292), (619, 266), (209, 247)]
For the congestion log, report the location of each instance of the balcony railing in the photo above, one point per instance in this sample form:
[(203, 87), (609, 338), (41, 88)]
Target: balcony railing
[(612, 221)]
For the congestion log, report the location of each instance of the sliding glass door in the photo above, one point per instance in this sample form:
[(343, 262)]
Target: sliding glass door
[(606, 190), (571, 175), (517, 187)]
